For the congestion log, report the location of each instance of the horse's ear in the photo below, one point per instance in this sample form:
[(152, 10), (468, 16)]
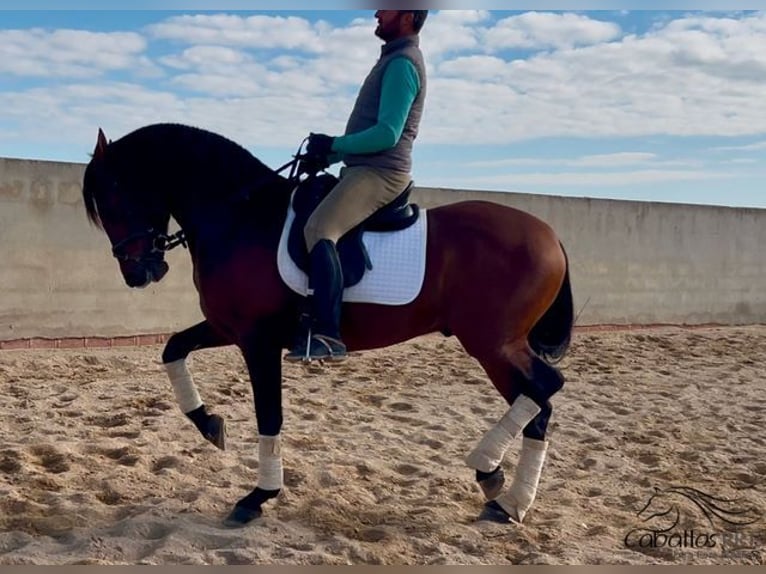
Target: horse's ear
[(101, 144)]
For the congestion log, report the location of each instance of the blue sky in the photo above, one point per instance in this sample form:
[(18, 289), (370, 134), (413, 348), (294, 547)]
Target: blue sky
[(641, 105)]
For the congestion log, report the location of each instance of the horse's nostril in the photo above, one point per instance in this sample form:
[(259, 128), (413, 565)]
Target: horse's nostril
[(159, 270)]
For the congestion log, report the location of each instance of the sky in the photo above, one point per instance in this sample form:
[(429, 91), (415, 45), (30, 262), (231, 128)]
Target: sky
[(649, 105)]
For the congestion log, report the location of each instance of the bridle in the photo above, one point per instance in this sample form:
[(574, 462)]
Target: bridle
[(161, 243)]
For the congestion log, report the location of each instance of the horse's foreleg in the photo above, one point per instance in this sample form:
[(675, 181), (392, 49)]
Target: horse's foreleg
[(264, 362), (177, 349)]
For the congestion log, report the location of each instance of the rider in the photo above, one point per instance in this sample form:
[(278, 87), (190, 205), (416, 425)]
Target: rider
[(377, 152)]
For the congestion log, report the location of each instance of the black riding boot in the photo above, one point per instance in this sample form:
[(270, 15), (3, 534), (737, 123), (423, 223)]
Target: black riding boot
[(325, 298)]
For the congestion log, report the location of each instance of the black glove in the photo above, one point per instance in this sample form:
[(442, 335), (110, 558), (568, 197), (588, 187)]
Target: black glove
[(319, 149)]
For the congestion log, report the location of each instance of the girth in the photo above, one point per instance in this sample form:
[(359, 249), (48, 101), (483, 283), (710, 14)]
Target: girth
[(395, 216)]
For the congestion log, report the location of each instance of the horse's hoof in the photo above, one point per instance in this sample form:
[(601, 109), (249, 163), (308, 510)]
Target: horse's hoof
[(241, 516), (493, 484), (216, 431), (493, 512)]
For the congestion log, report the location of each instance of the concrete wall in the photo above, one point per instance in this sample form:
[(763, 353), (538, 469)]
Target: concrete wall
[(58, 276), (631, 262)]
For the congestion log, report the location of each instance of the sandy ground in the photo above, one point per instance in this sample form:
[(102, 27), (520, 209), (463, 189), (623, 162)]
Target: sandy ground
[(98, 466)]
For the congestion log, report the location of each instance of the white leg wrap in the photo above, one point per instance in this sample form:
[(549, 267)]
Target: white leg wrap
[(491, 449), (186, 393), (269, 463), (520, 496)]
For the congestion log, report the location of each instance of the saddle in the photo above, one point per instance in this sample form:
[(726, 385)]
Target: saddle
[(354, 258)]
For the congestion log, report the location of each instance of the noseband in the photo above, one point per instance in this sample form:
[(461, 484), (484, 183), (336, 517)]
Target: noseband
[(161, 243)]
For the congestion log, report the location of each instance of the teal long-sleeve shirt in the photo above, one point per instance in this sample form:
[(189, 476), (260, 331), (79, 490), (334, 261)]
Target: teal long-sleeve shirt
[(399, 89)]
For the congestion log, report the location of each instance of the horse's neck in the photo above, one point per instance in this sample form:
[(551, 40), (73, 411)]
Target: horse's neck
[(211, 187), (231, 217)]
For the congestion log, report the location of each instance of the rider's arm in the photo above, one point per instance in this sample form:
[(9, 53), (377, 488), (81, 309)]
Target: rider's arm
[(399, 89)]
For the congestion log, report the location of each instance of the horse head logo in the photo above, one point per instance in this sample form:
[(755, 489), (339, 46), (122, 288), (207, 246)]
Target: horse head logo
[(668, 508)]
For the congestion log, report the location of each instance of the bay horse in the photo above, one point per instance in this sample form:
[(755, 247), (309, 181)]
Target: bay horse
[(496, 278)]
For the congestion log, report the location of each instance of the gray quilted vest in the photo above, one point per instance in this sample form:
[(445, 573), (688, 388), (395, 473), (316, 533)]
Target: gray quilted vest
[(365, 112)]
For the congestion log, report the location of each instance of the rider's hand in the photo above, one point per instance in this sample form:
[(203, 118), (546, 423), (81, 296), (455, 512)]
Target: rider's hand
[(319, 148), (317, 155)]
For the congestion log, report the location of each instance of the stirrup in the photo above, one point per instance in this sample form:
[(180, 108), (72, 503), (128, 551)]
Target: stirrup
[(328, 349), (300, 351), (318, 347)]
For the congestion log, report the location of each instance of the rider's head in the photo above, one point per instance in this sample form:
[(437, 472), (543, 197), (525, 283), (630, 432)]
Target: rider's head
[(418, 19), (393, 24)]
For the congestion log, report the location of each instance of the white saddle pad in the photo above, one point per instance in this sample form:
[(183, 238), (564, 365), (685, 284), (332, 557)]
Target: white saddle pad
[(398, 265)]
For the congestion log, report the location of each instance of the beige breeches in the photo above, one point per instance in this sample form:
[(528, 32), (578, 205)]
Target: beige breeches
[(360, 192)]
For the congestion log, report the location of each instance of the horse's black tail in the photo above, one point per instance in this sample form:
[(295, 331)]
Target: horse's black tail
[(551, 335)]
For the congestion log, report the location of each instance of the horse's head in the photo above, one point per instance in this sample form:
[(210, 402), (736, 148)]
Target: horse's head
[(134, 219)]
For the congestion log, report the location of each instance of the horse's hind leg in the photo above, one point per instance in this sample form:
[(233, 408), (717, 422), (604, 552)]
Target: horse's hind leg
[(526, 382), (177, 349), (487, 456), (542, 382), (515, 502)]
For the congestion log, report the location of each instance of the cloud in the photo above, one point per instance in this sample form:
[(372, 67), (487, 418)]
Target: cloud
[(611, 161), (478, 68), (262, 32), (599, 179), (207, 58), (600, 160), (757, 146), (71, 53), (258, 31), (615, 159), (450, 32), (542, 30), (271, 79), (79, 109), (722, 47), (459, 17), (686, 78), (317, 52)]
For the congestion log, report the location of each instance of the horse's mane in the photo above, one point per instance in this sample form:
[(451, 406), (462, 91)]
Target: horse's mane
[(176, 155)]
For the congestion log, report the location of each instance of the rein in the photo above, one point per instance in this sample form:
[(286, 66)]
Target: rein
[(295, 164)]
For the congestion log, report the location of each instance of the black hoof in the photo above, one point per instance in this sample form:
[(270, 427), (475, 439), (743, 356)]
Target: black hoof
[(249, 508), (493, 483), (241, 516), (493, 512), (215, 431)]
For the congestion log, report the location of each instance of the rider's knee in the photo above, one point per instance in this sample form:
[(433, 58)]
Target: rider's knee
[(313, 233)]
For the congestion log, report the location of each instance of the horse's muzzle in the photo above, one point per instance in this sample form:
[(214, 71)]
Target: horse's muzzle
[(140, 275)]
